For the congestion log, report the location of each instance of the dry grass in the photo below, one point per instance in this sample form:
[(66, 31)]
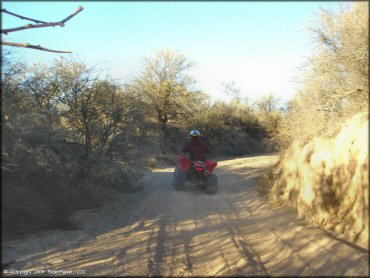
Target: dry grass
[(265, 182)]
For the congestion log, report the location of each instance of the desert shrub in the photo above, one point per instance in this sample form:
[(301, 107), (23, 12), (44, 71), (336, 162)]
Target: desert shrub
[(334, 82), (67, 140), (230, 129), (265, 181)]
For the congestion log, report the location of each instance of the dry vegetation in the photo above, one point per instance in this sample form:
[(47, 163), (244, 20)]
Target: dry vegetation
[(323, 170), (72, 138), (334, 83)]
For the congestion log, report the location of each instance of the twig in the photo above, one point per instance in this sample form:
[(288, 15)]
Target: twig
[(38, 47), (39, 24), (343, 95), (21, 17), (79, 9), (45, 24), (30, 26)]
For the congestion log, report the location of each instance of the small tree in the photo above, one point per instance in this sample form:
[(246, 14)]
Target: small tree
[(270, 115), (334, 83), (267, 104), (73, 82), (232, 90), (165, 86), (118, 112)]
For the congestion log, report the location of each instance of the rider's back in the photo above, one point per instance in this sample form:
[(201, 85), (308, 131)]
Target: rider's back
[(197, 149)]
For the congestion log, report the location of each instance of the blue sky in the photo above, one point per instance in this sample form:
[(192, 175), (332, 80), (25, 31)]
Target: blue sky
[(256, 44)]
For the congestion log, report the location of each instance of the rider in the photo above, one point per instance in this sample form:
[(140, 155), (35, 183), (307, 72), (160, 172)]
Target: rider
[(196, 148)]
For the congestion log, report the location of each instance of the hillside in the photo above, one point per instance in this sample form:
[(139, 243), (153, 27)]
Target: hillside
[(327, 181)]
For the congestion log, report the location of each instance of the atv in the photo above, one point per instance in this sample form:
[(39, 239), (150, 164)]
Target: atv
[(198, 173)]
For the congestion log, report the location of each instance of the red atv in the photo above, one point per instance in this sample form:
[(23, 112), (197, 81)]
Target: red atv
[(198, 173)]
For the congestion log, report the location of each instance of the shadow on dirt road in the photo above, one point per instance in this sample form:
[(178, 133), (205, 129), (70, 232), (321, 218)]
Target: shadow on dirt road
[(170, 233)]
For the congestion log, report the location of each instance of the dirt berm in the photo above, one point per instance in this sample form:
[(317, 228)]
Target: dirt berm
[(162, 232)]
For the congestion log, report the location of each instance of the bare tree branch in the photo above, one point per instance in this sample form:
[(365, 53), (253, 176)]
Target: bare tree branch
[(29, 26), (21, 17), (45, 24), (38, 47), (79, 9), (39, 24)]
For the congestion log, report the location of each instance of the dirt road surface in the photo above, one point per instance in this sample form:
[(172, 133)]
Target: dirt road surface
[(167, 233)]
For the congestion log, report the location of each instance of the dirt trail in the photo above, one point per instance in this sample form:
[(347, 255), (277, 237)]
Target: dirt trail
[(169, 233)]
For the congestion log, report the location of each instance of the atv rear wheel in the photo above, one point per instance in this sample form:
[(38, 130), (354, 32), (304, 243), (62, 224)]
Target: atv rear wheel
[(212, 184), (179, 180)]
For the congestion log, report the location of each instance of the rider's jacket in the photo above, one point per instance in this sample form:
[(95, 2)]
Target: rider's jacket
[(197, 149)]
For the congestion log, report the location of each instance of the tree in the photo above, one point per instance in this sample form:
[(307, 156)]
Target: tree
[(165, 86), (72, 81), (270, 116), (267, 104), (118, 113), (232, 90), (338, 72), (334, 83)]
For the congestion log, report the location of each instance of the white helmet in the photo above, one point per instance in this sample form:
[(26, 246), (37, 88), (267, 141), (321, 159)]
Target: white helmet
[(195, 133)]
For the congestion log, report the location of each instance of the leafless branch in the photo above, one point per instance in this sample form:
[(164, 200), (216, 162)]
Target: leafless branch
[(44, 24), (39, 24), (21, 17), (79, 9), (343, 95), (38, 47)]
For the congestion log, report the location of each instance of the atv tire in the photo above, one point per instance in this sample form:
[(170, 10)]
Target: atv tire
[(179, 180), (212, 184)]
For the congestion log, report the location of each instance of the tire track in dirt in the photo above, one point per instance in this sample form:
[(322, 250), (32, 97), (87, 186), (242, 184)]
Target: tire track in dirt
[(170, 233), (245, 250), (184, 249), (187, 237)]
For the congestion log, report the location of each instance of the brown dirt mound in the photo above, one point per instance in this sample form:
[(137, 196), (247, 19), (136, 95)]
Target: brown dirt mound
[(327, 181)]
